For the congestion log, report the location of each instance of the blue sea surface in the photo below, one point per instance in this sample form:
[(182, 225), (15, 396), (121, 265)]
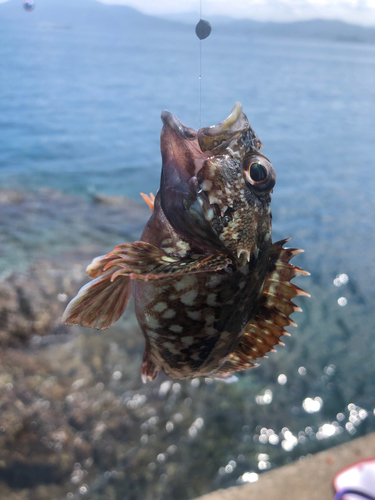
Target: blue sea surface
[(80, 105)]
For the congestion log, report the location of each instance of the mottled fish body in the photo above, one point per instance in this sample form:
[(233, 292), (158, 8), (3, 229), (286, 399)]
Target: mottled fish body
[(212, 292)]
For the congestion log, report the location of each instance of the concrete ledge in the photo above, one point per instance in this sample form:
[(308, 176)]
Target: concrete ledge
[(310, 479)]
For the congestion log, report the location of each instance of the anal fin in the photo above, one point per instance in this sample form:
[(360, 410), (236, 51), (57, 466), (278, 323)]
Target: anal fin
[(149, 370)]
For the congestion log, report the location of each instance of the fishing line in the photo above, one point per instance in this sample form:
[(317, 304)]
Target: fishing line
[(200, 82), (202, 30)]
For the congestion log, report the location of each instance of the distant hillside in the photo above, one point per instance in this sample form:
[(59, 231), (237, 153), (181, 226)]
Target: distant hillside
[(193, 17), (80, 13), (319, 29), (92, 14)]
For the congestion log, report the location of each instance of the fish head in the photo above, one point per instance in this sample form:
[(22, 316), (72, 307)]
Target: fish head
[(216, 185)]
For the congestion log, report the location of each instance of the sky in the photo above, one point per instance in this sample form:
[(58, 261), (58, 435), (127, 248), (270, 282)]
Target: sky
[(353, 11)]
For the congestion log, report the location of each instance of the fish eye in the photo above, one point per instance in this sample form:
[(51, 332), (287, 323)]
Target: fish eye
[(259, 173)]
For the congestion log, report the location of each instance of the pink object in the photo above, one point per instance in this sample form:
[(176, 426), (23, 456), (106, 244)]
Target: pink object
[(29, 5), (358, 476)]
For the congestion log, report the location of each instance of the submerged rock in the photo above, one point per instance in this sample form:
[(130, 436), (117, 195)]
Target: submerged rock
[(32, 303)]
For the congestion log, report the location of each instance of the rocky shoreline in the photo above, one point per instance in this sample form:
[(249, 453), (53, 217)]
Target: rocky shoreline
[(60, 405)]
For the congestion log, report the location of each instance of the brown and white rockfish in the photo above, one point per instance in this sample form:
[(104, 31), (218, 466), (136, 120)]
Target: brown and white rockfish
[(212, 292)]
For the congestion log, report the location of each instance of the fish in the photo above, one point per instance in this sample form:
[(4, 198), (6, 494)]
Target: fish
[(212, 292)]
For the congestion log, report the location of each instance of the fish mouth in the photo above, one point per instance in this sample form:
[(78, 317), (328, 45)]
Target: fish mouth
[(236, 122), (218, 137), (170, 120), (179, 145), (181, 197), (181, 142), (188, 149)]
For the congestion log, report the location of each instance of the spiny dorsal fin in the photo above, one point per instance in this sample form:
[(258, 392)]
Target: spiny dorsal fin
[(150, 200), (264, 330)]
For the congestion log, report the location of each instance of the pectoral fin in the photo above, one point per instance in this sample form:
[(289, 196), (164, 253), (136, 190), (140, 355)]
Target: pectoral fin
[(99, 303), (143, 261), (96, 268), (103, 301)]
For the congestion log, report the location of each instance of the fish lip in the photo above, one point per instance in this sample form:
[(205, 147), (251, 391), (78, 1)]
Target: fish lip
[(180, 143), (225, 125), (170, 120), (218, 137)]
